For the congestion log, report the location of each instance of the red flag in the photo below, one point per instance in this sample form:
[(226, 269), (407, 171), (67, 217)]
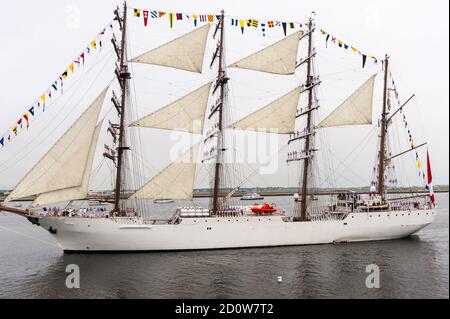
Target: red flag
[(82, 56), (25, 116), (430, 179), (145, 18)]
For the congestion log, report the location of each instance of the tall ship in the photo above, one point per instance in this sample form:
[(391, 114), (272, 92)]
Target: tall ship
[(63, 174)]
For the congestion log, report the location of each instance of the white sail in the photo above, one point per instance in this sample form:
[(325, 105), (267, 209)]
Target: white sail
[(355, 110), (276, 117), (64, 164), (77, 192), (278, 58), (186, 114), (176, 181), (184, 53)]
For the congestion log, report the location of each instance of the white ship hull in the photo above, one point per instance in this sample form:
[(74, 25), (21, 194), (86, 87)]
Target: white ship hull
[(103, 234)]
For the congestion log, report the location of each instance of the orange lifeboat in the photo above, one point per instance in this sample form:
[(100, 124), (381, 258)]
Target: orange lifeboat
[(263, 209)]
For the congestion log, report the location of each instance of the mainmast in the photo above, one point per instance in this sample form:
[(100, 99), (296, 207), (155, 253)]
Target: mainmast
[(221, 81), (124, 76), (309, 128), (383, 125)]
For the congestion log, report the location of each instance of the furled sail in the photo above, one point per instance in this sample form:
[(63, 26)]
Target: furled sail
[(176, 181), (276, 117), (64, 164), (185, 53), (77, 192), (185, 114), (278, 58), (355, 110)]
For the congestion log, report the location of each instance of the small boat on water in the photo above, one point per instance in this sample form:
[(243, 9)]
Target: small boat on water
[(252, 196), (163, 201)]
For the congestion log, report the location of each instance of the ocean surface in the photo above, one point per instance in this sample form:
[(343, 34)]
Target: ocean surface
[(32, 266)]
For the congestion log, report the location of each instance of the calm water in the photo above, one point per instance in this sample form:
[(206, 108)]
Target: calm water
[(32, 266)]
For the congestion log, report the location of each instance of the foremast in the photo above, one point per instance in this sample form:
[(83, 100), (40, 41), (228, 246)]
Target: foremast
[(220, 84), (123, 77), (383, 133)]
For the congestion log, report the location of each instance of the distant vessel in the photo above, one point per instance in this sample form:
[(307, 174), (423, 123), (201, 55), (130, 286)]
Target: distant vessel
[(345, 218), (252, 196)]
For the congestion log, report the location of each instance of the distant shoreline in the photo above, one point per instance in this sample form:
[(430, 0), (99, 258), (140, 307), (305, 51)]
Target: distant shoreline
[(273, 192)]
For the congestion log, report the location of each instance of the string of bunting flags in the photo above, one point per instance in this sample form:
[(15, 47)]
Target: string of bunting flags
[(341, 44), (57, 87), (196, 18), (412, 142)]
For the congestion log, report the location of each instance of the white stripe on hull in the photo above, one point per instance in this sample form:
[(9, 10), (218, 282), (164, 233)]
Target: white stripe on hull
[(103, 234)]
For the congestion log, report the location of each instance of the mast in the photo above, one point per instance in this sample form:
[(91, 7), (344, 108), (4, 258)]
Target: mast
[(309, 85), (221, 80), (124, 76), (382, 154)]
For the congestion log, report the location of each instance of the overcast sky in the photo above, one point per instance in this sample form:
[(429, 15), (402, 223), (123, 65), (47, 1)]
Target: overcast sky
[(39, 39)]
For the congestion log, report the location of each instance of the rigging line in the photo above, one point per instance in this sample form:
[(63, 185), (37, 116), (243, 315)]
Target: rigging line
[(60, 123), (254, 171), (346, 166), (354, 150), (56, 161), (417, 101), (96, 170), (141, 205), (57, 98), (50, 167), (325, 181)]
